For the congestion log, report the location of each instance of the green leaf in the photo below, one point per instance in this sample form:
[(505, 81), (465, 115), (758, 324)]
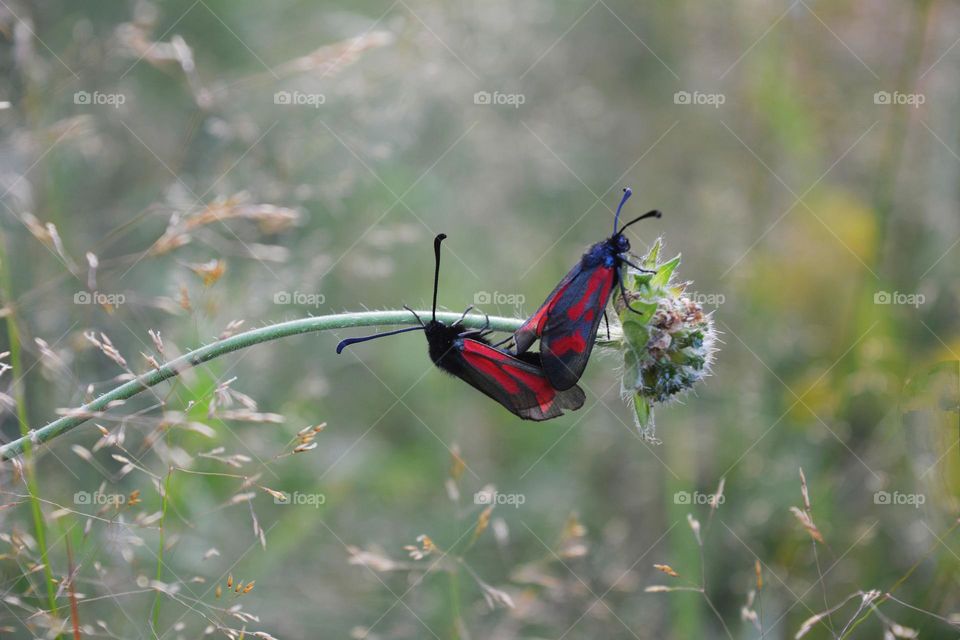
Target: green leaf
[(662, 277), (630, 369), (677, 290), (635, 334), (650, 260), (641, 281), (644, 312), (631, 372), (643, 413)]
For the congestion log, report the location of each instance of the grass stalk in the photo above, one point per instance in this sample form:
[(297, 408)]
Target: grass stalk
[(228, 345), (19, 395), (163, 526)]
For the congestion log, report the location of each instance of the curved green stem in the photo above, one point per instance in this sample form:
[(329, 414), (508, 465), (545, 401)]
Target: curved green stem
[(235, 343), (20, 396)]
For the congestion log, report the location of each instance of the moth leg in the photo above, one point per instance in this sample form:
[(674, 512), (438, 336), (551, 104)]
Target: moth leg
[(414, 315), (477, 332), (637, 267), (465, 312), (626, 301), (606, 321)]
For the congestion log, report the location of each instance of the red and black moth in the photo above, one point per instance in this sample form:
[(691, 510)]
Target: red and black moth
[(517, 382), (566, 324)]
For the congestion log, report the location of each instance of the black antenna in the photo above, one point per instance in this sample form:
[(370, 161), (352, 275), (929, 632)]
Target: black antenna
[(436, 272), (627, 192), (649, 214), (436, 280), (349, 341)]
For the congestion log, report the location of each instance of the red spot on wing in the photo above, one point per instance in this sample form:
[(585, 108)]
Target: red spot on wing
[(565, 344), (479, 357), (605, 291), (604, 294), (538, 384), (538, 321), (576, 340), (599, 280), (501, 368)]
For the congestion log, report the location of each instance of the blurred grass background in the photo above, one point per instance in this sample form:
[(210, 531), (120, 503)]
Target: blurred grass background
[(796, 204)]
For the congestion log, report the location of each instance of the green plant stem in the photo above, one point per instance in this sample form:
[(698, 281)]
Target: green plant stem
[(455, 601), (163, 528), (235, 343), (29, 472)]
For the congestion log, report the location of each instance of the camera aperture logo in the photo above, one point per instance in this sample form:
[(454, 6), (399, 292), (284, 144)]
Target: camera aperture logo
[(696, 497), (497, 297), (914, 500), (299, 298), (895, 297), (99, 99), (897, 98), (98, 498), (490, 498), (300, 499), (99, 297), (499, 99), (299, 99), (699, 98)]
